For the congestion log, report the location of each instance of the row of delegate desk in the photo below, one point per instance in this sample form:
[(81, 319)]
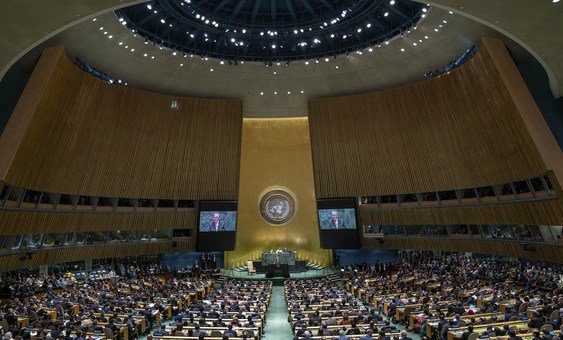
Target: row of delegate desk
[(412, 313), (252, 332), (28, 321)]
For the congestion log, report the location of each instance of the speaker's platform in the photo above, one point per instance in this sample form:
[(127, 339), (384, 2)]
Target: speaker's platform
[(299, 267)]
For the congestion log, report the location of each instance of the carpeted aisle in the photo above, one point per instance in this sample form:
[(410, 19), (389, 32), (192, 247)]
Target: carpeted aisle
[(277, 327)]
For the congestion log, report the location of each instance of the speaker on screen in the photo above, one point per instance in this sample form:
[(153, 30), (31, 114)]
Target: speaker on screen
[(338, 223), (217, 225)]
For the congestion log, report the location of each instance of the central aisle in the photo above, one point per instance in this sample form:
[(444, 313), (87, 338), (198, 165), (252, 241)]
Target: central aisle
[(277, 327)]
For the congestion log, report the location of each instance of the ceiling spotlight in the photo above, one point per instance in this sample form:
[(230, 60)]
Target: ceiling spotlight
[(163, 21), (149, 7), (222, 62), (307, 62), (261, 93), (392, 2), (386, 14), (210, 70), (359, 30), (274, 46), (368, 25), (425, 10), (326, 59)]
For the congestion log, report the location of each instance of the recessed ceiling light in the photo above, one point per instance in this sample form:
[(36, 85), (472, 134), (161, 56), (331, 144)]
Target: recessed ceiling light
[(211, 70)]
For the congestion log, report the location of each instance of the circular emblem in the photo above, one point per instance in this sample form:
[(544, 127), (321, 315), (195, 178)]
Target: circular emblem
[(277, 206)]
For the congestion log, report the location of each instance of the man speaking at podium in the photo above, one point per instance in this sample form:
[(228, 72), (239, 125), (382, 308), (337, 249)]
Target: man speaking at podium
[(335, 221), (216, 224)]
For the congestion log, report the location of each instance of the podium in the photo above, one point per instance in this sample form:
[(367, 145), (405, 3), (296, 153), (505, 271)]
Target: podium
[(278, 270)]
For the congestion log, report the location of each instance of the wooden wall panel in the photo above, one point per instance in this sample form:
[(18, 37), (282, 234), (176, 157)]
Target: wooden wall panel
[(532, 213), (460, 130), (94, 138), (42, 257), (16, 222), (541, 252)]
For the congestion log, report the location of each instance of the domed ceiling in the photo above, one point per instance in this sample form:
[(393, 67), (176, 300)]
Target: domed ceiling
[(110, 43), (270, 30)]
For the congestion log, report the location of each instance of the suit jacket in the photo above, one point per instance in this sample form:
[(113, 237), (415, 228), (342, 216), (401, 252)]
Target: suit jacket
[(211, 225), (332, 224)]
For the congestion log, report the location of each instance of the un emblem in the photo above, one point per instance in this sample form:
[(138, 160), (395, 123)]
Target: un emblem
[(277, 206)]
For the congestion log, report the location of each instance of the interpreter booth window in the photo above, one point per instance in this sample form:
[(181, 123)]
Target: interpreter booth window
[(394, 230), (10, 243), (69, 239), (116, 236), (161, 234), (98, 237), (502, 232), (31, 241), (373, 230), (522, 188), (436, 230), (82, 238), (84, 200), (429, 197), (53, 240), (527, 233), (4, 193), (31, 196), (486, 192), (144, 235), (47, 200)]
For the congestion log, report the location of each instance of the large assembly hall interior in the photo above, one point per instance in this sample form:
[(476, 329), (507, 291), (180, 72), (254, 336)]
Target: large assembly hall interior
[(281, 169)]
